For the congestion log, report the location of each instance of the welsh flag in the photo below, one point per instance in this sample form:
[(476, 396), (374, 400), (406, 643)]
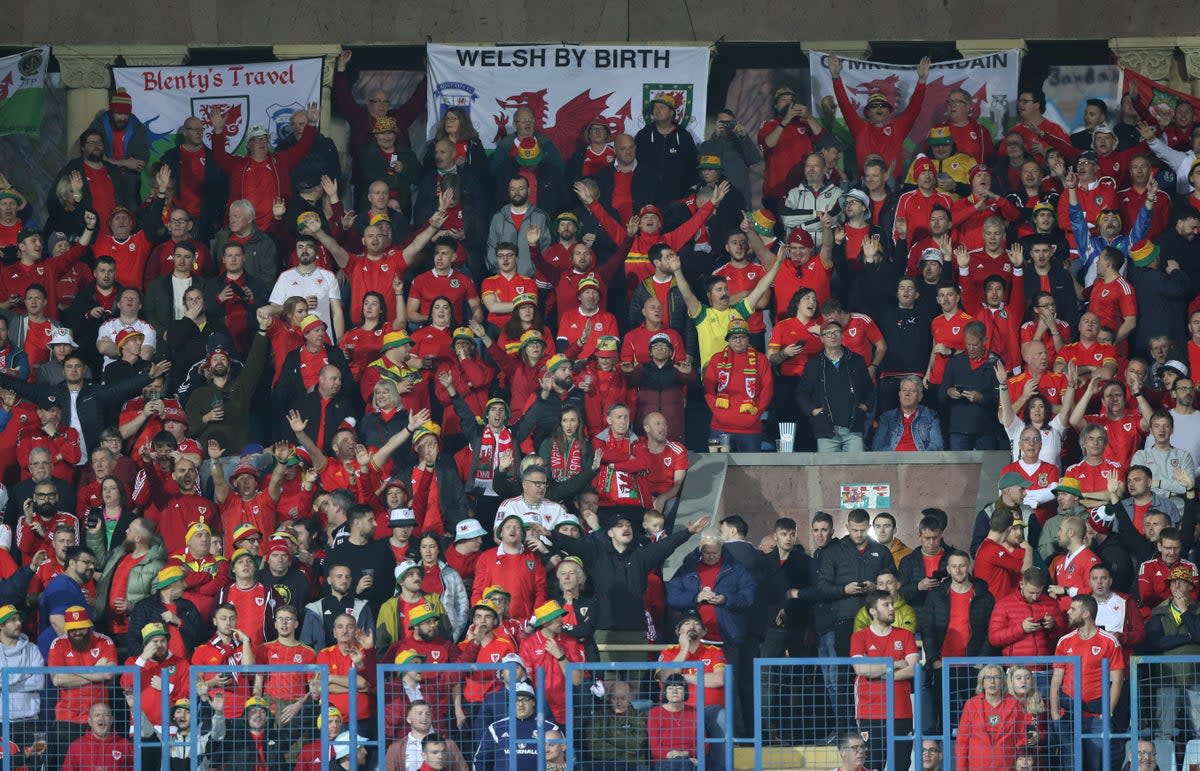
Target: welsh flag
[(22, 78), (1153, 97)]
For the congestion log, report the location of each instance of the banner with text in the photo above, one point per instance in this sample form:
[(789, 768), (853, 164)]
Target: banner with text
[(1069, 88), (566, 87), (22, 80), (990, 80), (250, 95)]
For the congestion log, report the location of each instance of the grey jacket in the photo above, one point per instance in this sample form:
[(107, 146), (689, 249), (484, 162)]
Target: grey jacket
[(504, 229), (262, 261), (737, 155), (25, 690)]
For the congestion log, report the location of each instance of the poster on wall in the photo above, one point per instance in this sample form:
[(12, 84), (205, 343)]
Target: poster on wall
[(991, 81), (566, 87), (865, 496), (1069, 88)]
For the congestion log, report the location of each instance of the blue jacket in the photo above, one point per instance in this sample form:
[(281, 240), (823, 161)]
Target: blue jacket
[(927, 433), (733, 581), (1090, 245), (493, 750)]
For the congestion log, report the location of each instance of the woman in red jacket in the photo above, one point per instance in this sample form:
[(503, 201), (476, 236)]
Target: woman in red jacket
[(1021, 687), (991, 727), (523, 370)]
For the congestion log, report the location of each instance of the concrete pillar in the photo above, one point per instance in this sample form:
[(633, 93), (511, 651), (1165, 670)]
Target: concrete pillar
[(334, 128), (1150, 56), (1190, 48), (86, 76)]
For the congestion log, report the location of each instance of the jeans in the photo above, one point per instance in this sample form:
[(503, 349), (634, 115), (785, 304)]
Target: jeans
[(960, 442), (714, 728), (746, 442), (843, 440)]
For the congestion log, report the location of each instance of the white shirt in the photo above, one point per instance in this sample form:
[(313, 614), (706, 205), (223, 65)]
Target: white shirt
[(1110, 614), (179, 286), (110, 328), (75, 424), (1052, 434), (321, 284), (547, 513)]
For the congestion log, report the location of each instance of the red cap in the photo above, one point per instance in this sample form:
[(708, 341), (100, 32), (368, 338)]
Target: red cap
[(650, 209), (279, 546), (922, 164), (802, 237), (979, 168)]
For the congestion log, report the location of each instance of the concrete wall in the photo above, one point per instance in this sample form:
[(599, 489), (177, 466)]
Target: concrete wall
[(232, 22), (763, 487)]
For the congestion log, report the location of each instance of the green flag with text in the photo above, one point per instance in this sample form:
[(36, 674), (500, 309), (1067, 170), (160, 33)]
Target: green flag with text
[(22, 78)]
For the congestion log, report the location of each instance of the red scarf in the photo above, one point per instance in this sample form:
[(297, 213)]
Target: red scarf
[(565, 468), (491, 446)]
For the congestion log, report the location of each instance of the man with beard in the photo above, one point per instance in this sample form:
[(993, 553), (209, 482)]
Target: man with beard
[(741, 275), (41, 518), (511, 224), (103, 189), (339, 597), (253, 736), (81, 647), (230, 649), (175, 512), (376, 269), (220, 409), (93, 305), (882, 638), (100, 749), (786, 140), (129, 571), (286, 584), (1094, 646), (315, 284)]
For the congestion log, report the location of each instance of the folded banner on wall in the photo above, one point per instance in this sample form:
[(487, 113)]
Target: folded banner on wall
[(566, 87), (991, 81), (22, 79)]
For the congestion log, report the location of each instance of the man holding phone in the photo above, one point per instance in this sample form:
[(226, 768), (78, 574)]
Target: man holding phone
[(786, 140)]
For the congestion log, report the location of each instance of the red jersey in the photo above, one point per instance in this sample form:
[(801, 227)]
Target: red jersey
[(914, 207), (1075, 572), (373, 275), (886, 140), (581, 332), (784, 168), (974, 140), (236, 511), (174, 673), (1113, 301), (663, 465), (341, 665), (948, 332), (218, 653), (999, 567), (1092, 652), (522, 574), (251, 607), (504, 290), (1094, 479), (1046, 126), (792, 277), (1125, 435), (635, 346), (476, 685), (455, 286), (1064, 334), (739, 279), (1152, 583), (792, 331), (285, 686), (75, 701), (1095, 355), (1051, 385), (713, 659), (871, 694), (861, 335), (130, 255), (544, 667)]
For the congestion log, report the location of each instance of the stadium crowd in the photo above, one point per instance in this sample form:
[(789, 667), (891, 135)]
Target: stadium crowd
[(437, 408)]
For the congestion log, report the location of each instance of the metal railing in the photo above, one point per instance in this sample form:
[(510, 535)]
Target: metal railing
[(802, 707)]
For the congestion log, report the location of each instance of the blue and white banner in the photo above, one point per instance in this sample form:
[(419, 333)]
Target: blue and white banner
[(566, 86)]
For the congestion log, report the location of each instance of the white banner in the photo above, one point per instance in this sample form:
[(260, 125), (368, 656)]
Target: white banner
[(1068, 89), (250, 94), (991, 80), (566, 86)]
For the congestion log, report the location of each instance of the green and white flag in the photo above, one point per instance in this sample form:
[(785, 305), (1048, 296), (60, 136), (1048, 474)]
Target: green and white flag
[(22, 78)]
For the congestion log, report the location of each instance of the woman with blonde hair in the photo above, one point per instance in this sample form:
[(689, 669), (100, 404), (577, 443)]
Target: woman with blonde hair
[(989, 730), (1021, 687)]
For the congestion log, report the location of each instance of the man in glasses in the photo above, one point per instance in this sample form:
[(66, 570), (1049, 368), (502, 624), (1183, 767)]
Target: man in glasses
[(66, 590), (853, 753)]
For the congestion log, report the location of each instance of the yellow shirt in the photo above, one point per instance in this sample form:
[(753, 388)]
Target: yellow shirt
[(711, 326)]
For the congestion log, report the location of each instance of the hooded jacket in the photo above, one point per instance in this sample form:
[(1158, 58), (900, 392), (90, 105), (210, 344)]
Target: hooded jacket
[(24, 690)]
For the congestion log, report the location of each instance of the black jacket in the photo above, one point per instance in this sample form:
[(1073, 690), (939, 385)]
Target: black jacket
[(289, 387), (933, 617), (822, 384), (192, 628), (618, 579), (236, 751), (794, 573), (93, 403), (971, 417), (451, 496), (869, 286), (1162, 301), (1062, 288), (160, 300), (843, 563), (214, 192), (906, 332), (912, 571), (670, 160), (338, 409)]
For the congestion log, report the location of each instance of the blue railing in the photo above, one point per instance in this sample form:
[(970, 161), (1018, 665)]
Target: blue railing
[(1148, 679)]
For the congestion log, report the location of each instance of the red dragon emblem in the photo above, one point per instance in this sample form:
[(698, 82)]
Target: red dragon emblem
[(567, 132), (234, 117), (932, 108)]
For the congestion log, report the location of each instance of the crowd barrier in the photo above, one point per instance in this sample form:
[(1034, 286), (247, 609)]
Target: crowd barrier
[(802, 709)]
